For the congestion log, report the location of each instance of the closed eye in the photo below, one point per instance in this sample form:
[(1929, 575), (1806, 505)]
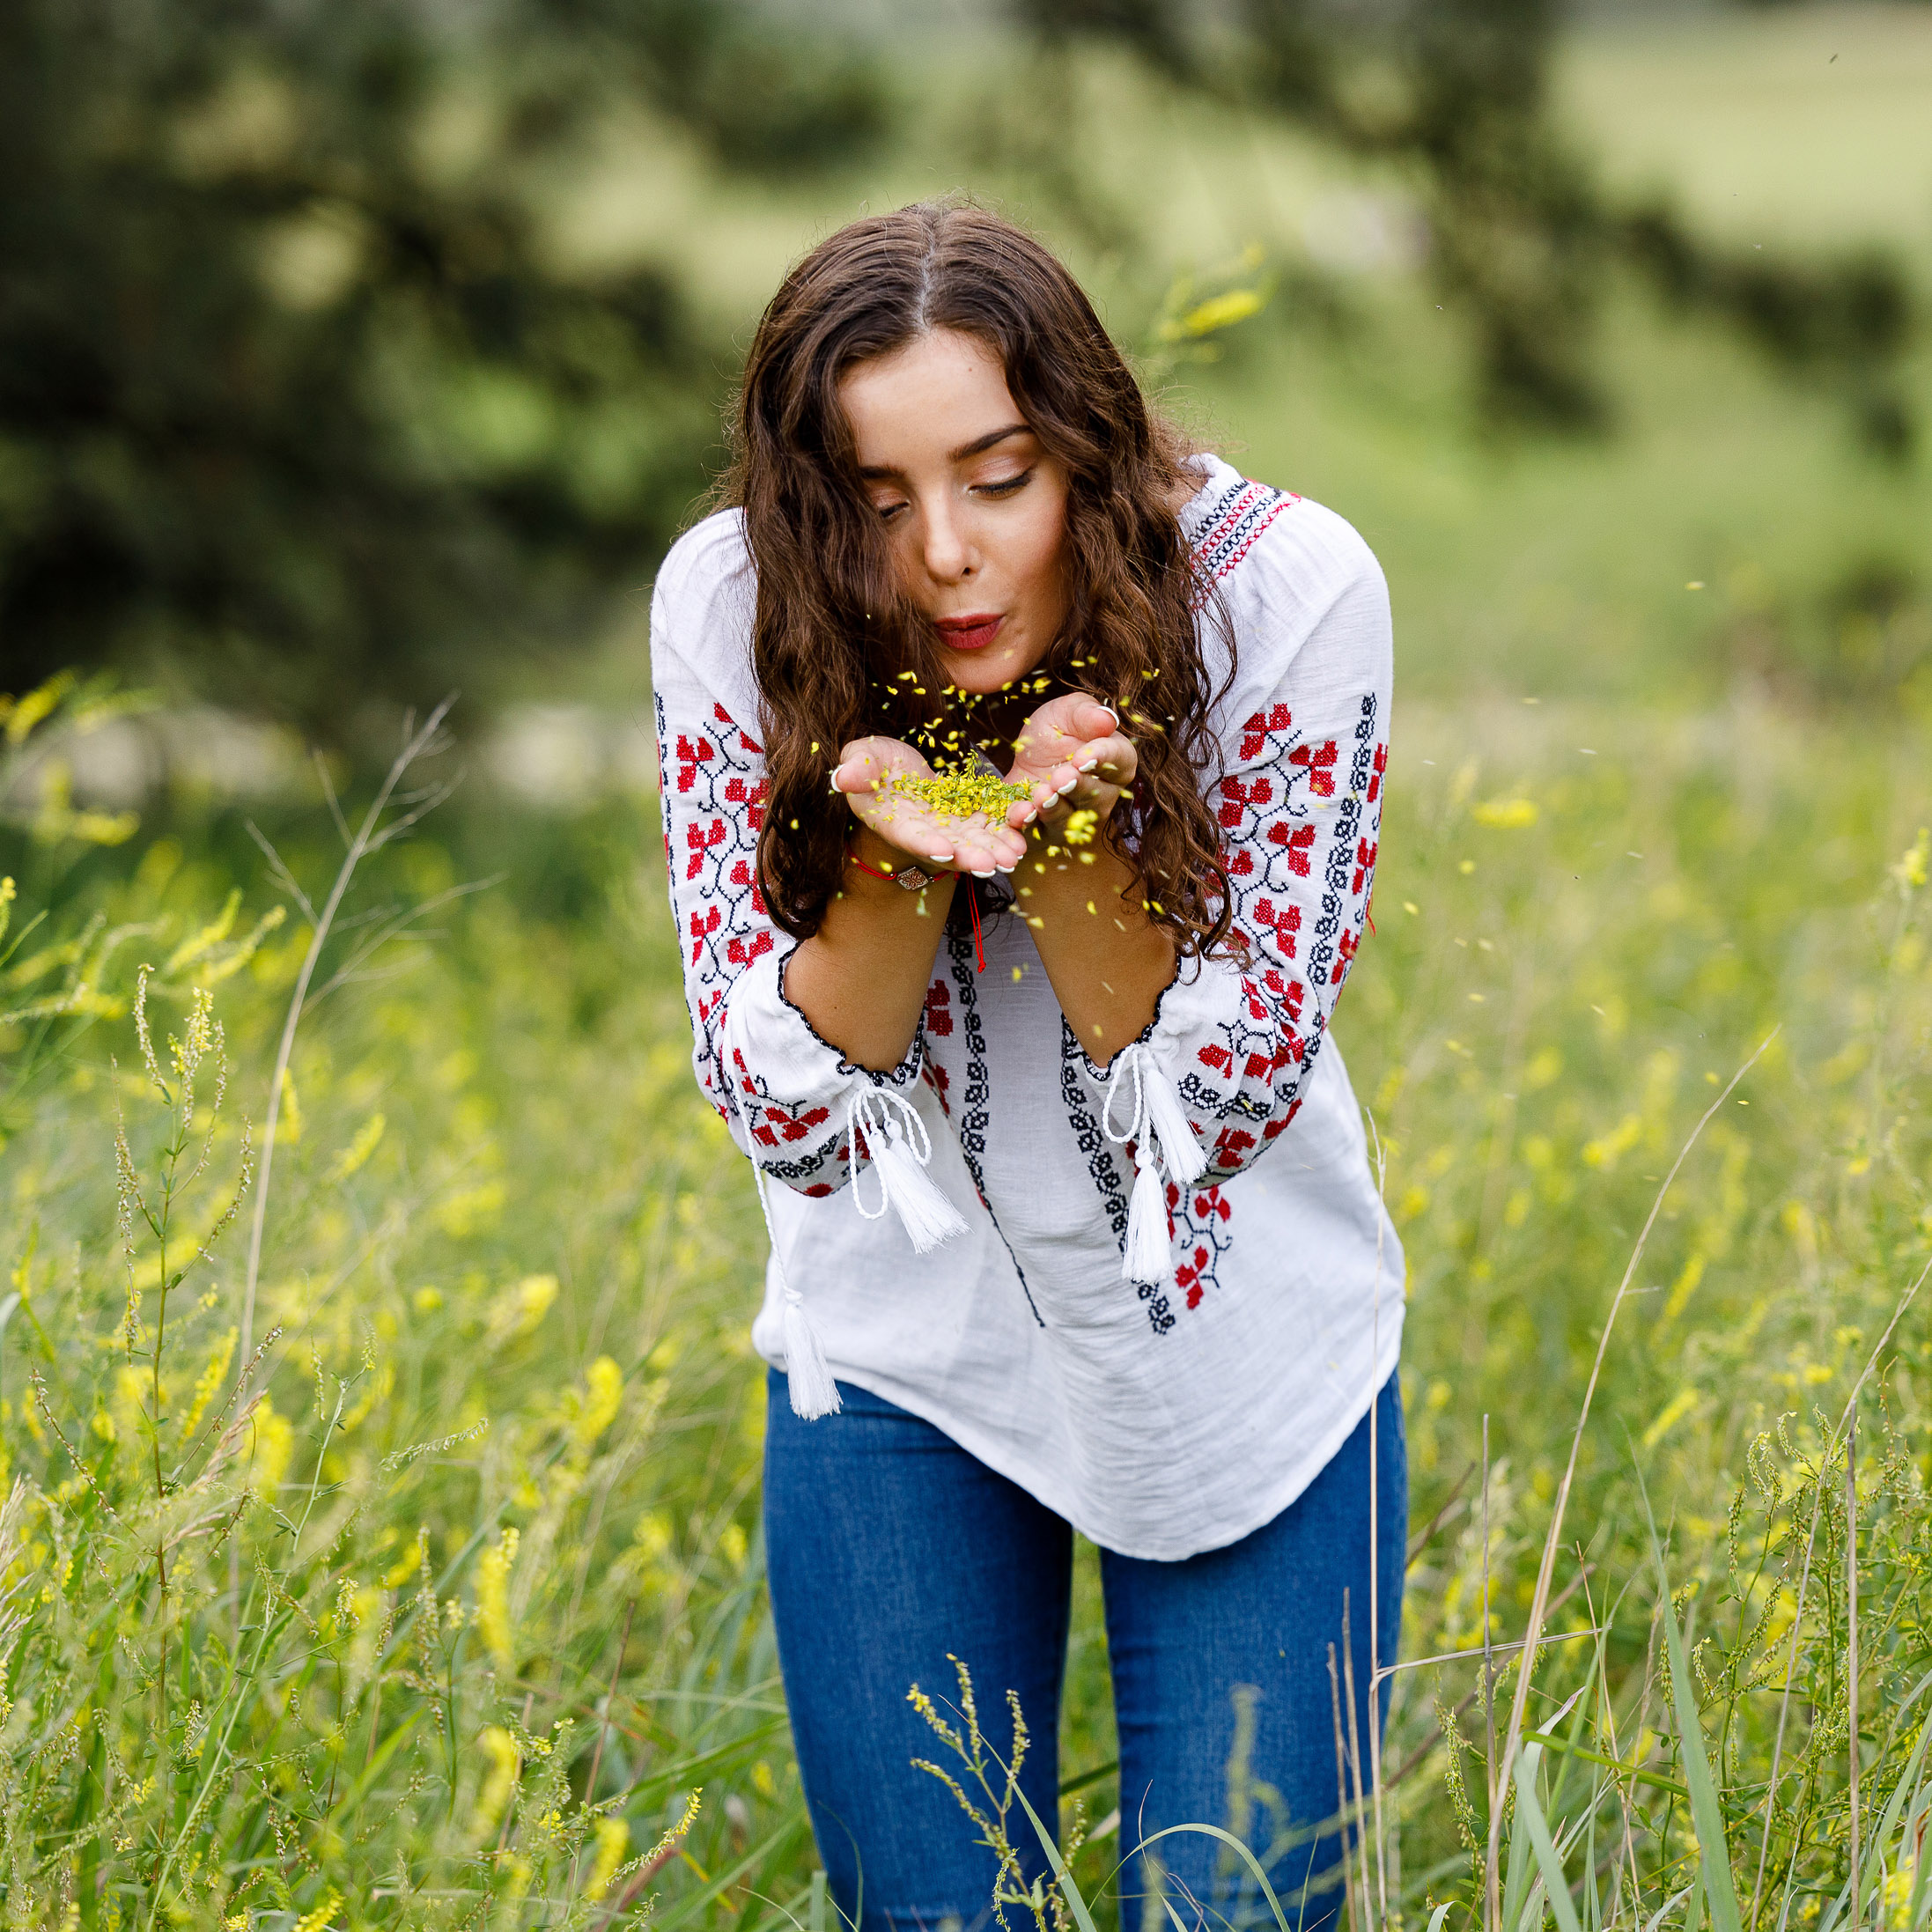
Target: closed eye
[(1008, 487)]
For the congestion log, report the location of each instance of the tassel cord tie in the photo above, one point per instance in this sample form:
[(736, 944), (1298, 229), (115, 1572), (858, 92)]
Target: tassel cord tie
[(870, 1112), (1162, 1137), (901, 1151), (1129, 1065)]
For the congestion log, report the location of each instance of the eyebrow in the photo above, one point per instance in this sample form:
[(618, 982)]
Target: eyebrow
[(977, 446)]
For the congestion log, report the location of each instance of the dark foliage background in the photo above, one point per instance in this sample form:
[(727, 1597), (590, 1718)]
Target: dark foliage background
[(298, 404), (287, 398)]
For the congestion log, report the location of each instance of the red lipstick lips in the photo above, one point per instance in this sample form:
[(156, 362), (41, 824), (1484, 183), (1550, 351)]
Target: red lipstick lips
[(973, 633)]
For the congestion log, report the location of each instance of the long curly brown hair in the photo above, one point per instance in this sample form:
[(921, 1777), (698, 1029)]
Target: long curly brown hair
[(834, 625)]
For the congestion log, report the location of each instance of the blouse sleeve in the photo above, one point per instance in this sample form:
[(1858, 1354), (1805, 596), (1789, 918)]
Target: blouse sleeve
[(1236, 1038), (786, 1094)]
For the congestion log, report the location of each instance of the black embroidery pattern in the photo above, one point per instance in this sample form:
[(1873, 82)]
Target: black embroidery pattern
[(973, 1109), (1349, 854), (1088, 1138), (1231, 528)]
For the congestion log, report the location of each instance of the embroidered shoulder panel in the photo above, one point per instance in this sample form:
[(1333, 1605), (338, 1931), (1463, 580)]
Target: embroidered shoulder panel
[(1233, 523)]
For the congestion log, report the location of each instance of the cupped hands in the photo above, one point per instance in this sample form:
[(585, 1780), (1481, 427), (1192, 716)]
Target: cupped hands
[(1070, 754), (867, 774)]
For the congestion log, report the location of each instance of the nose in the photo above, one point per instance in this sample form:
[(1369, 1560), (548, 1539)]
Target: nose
[(946, 551)]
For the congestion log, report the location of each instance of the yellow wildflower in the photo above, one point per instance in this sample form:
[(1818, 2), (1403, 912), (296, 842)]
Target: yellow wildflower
[(493, 1597), (212, 1379), (1606, 1152), (499, 1782), (613, 1843), (1505, 815), (602, 1397), (1674, 1410), (1910, 872), (358, 1150), (962, 794), (529, 1302), (273, 1445), (313, 1921)]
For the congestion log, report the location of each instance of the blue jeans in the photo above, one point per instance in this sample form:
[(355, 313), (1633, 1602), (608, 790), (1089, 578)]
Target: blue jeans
[(890, 1547)]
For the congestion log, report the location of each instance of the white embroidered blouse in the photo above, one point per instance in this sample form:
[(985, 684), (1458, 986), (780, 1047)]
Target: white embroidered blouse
[(1161, 1416)]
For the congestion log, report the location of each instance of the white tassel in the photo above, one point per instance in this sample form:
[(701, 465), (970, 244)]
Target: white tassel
[(806, 1373), (899, 1148), (1149, 1254), (1162, 1137), (1181, 1153), (928, 1217)]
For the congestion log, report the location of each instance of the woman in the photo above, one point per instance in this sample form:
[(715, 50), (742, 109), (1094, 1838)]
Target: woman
[(1109, 1255)]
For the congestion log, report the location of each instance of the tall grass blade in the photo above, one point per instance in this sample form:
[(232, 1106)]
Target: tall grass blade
[(1520, 1880), (1063, 1876), (1706, 1814), (1540, 1596), (1529, 1815), (691, 1907)]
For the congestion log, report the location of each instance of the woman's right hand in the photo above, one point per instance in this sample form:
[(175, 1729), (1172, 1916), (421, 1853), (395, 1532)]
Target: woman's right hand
[(866, 772)]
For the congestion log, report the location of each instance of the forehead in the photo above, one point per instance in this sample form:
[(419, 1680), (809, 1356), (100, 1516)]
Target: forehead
[(939, 391)]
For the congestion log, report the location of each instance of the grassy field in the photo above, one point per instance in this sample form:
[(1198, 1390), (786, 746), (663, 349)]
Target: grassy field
[(456, 1622), (448, 1630), (1803, 125)]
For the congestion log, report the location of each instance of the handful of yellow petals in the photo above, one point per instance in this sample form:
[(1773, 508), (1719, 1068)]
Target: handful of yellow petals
[(963, 794)]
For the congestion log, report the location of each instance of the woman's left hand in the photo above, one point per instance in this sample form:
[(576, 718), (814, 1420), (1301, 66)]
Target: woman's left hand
[(1072, 753)]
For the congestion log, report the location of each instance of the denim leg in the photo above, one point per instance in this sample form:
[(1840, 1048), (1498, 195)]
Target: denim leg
[(888, 1547), (1222, 1696)]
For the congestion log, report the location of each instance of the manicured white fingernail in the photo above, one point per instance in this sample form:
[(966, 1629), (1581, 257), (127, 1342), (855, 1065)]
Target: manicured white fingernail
[(1061, 791), (987, 874), (1092, 764), (944, 858), (1112, 713), (834, 778)]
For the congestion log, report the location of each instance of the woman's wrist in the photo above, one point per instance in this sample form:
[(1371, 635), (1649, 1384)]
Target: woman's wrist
[(869, 849), (873, 869), (1057, 877)]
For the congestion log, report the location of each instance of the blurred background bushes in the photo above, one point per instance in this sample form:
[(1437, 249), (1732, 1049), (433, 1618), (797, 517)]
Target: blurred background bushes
[(298, 396), (350, 352)]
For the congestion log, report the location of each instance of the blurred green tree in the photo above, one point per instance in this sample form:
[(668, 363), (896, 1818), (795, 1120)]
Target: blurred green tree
[(1524, 236), (291, 386)]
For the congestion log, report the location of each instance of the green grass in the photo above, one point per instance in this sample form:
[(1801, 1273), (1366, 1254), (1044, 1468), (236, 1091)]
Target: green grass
[(1535, 1028), (1803, 125)]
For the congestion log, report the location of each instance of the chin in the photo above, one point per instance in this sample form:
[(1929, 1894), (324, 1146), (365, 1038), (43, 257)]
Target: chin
[(982, 673)]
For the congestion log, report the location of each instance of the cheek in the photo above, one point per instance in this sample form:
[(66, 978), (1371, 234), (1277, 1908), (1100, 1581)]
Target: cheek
[(1040, 554)]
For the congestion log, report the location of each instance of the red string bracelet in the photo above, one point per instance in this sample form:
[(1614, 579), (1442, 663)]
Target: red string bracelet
[(914, 884)]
